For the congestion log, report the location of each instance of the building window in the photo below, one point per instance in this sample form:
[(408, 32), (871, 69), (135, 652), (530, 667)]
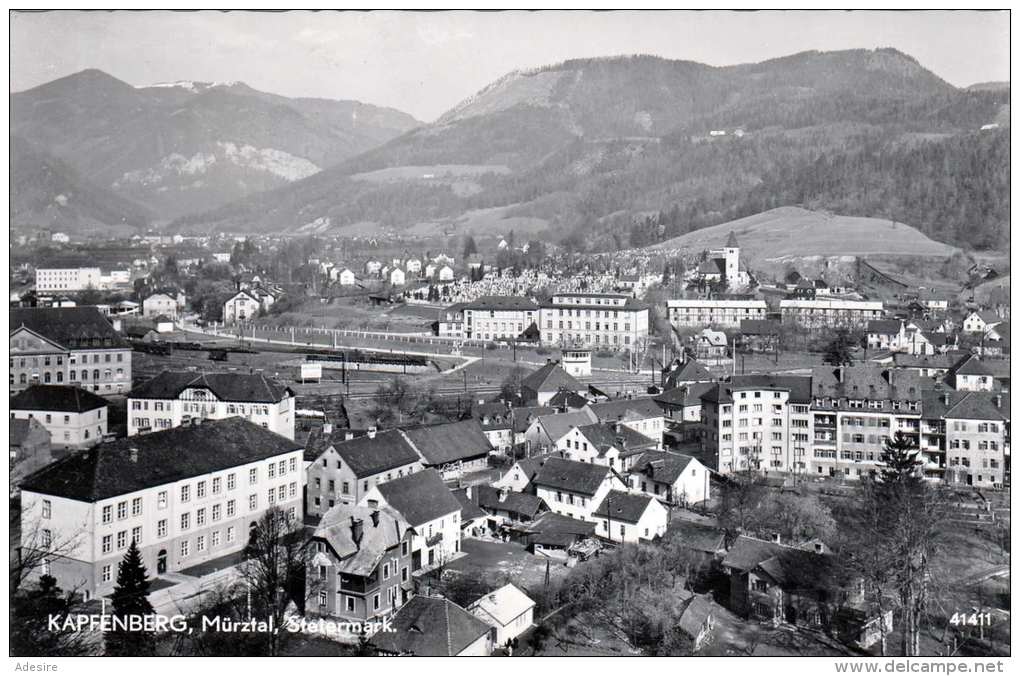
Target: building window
[(107, 514), (185, 493), (161, 500), (216, 512), (253, 475), (200, 490), (46, 509), (200, 517), (136, 535), (185, 547), (214, 539), (107, 544), (231, 482), (200, 543), (253, 502), (230, 507), (216, 485), (107, 574), (185, 521), (121, 539), (161, 528), (230, 533)]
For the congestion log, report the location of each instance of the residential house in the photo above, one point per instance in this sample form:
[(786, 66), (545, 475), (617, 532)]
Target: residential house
[(542, 384), (966, 435), (397, 277), (451, 322), (176, 398), (496, 422), (886, 334), (241, 307), (969, 373), (346, 277), (641, 414), (673, 478), (506, 505), (75, 418), (611, 444), (518, 478), (445, 274), (181, 508), (344, 468), (630, 517), (430, 626), (360, 567), (498, 317), (163, 304), (423, 501), (67, 346), (710, 344), (979, 322), (575, 489), (684, 372), (509, 610), (453, 448), (546, 431)]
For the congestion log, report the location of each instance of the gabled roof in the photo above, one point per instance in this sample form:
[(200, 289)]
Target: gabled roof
[(690, 371), (884, 326), (639, 408), (367, 456), (556, 529), (685, 395), (449, 442), (662, 466), (621, 506), (488, 498), (551, 378), (378, 535), (428, 626), (962, 405), (558, 424), (606, 435), (56, 398), (530, 466), (524, 415), (468, 509), (568, 399), (713, 266), (71, 327), (969, 365), (748, 552), (799, 570), (242, 387), (108, 470), (419, 497), (504, 605), (577, 477)]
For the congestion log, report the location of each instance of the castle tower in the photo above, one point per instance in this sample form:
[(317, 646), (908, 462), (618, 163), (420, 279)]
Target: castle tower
[(731, 253)]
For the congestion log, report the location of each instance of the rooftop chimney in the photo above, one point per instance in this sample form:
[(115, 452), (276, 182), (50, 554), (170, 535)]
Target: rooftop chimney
[(998, 401), (839, 374), (357, 530), (945, 399), (371, 432), (375, 518), (503, 494)]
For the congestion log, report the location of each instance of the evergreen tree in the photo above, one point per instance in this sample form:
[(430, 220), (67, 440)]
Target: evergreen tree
[(130, 600), (901, 462), (470, 247)]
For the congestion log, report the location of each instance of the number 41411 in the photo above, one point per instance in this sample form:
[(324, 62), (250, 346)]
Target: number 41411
[(971, 620)]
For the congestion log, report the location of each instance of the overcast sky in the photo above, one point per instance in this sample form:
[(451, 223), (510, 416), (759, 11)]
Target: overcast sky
[(424, 63)]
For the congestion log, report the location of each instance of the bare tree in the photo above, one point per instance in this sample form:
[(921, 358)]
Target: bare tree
[(274, 572)]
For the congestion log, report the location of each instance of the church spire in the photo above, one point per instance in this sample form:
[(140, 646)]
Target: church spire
[(731, 241)]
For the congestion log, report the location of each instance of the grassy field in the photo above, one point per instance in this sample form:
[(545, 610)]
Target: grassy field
[(791, 232)]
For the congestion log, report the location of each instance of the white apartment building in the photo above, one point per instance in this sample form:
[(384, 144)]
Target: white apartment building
[(67, 279), (185, 496), (757, 423), (830, 313), (175, 398), (163, 304), (75, 418), (607, 321), (684, 313), (498, 317)]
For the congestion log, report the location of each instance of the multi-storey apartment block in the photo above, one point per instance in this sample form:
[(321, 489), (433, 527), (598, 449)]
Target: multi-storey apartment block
[(699, 313), (608, 321), (67, 346), (967, 433), (498, 317), (184, 496), (855, 410), (174, 398), (48, 280), (830, 313), (757, 423)]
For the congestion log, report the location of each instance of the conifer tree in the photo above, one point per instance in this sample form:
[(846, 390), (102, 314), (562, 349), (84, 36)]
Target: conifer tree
[(130, 599)]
